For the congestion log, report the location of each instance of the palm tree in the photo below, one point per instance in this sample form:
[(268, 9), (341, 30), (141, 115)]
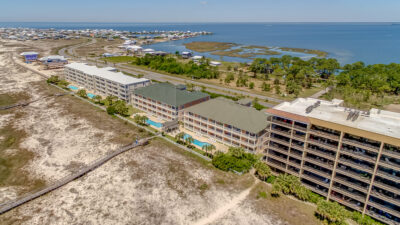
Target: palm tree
[(179, 136), (97, 98), (189, 141), (262, 170), (207, 148)]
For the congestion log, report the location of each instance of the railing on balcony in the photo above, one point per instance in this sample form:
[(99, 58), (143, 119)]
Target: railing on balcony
[(353, 174), (352, 194), (347, 203), (361, 144), (355, 165), (321, 153), (360, 155)]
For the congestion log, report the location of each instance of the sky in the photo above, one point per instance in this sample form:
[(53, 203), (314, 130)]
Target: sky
[(200, 10)]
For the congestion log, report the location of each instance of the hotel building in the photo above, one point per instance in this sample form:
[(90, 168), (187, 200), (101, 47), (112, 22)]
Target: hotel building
[(166, 101), (103, 81), (228, 122), (345, 155)]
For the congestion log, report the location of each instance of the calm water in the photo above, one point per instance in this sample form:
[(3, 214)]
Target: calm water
[(348, 42)]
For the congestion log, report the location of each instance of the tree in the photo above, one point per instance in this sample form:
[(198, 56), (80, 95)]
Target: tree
[(251, 85), (332, 212), (111, 110), (141, 120), (121, 108), (208, 148), (53, 80), (189, 141), (63, 83), (97, 99), (82, 93), (265, 87), (262, 170), (277, 89), (229, 77), (179, 136)]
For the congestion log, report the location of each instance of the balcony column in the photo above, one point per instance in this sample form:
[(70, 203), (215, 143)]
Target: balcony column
[(289, 148), (373, 177), (335, 165), (303, 156)]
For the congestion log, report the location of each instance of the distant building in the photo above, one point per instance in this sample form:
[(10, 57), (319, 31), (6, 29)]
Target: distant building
[(215, 63), (103, 81), (53, 61), (187, 55), (30, 56), (225, 121), (166, 101)]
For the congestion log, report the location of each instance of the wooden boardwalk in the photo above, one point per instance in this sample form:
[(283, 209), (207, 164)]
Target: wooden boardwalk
[(22, 104), (13, 204)]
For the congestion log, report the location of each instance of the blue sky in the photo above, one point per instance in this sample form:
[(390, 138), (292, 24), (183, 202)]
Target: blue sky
[(200, 10)]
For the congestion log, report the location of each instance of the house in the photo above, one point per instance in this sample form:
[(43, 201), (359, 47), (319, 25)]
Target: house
[(187, 55), (30, 56), (215, 63)]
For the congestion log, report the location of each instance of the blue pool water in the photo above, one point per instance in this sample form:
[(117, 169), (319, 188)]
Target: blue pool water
[(155, 124), (90, 95), (196, 142), (73, 87)]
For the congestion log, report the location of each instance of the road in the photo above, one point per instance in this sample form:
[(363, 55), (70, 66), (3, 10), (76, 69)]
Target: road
[(164, 78)]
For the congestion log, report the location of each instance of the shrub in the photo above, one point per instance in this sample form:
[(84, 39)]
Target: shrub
[(235, 160), (331, 212), (111, 110), (82, 93)]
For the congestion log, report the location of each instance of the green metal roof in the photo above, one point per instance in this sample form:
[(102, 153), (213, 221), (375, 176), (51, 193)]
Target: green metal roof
[(229, 112), (169, 94)]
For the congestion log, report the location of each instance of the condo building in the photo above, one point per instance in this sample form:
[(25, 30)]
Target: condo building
[(166, 101), (228, 122), (103, 81), (345, 155)]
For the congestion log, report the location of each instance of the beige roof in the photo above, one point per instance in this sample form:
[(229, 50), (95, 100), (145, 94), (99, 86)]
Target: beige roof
[(229, 112)]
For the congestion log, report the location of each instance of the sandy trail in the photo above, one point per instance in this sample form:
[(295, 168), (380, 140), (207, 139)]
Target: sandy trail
[(225, 208)]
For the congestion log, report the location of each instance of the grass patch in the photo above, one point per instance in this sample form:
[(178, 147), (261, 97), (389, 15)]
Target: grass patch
[(262, 194), (209, 46), (9, 99), (120, 59), (319, 53)]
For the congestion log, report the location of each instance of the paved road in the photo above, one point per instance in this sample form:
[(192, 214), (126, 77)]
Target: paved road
[(322, 92), (176, 80)]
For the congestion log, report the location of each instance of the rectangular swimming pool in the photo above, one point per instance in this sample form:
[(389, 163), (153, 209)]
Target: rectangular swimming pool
[(152, 123), (72, 87), (90, 95), (196, 142)]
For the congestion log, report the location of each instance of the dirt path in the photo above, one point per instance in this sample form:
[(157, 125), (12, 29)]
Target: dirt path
[(225, 208)]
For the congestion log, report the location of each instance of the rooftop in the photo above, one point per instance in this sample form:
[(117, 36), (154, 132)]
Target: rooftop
[(106, 73), (378, 121), (169, 94), (229, 112)]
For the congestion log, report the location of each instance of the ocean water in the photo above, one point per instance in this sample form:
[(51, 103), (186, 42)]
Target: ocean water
[(348, 42)]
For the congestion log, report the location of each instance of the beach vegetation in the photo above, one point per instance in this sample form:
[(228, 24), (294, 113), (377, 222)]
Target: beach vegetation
[(235, 160)]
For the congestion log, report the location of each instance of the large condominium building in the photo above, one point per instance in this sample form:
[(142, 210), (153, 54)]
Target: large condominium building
[(349, 156), (166, 101), (103, 81), (228, 122)]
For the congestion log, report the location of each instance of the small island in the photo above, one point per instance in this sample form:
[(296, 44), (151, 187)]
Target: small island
[(246, 51)]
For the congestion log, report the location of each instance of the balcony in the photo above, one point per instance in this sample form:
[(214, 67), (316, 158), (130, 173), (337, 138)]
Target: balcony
[(384, 197), (380, 217), (387, 187), (283, 133), (387, 176), (317, 171), (388, 164), (360, 145), (316, 190), (300, 128), (319, 163), (348, 183), (324, 134), (277, 158), (294, 163), (353, 195), (287, 125), (315, 180), (359, 155), (277, 165), (347, 203), (321, 154), (280, 141), (394, 154), (296, 155), (355, 165), (384, 208), (353, 174), (278, 149), (297, 147), (324, 145)]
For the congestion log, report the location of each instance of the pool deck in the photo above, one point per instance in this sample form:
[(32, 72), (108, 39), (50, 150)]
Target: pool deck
[(219, 146)]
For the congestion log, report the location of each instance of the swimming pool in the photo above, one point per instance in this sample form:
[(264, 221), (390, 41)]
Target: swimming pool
[(196, 142), (90, 95), (72, 87), (155, 124)]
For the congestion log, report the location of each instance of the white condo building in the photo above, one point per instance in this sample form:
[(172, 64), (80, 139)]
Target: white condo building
[(103, 81)]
